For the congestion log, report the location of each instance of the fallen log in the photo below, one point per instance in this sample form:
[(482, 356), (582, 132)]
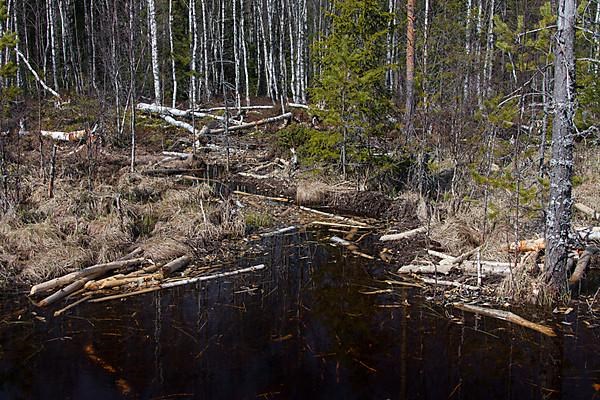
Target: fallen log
[(334, 216), (184, 125), (506, 316), (257, 176), (67, 290), (74, 136), (403, 235), (465, 256), (73, 276), (587, 211), (174, 112), (589, 234), (180, 282), (249, 125), (582, 264), (210, 277), (176, 264), (467, 267), (297, 105), (279, 231), (208, 110), (338, 225), (443, 256), (260, 196), (525, 246)]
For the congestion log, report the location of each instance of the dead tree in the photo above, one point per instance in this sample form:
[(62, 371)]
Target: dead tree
[(558, 221)]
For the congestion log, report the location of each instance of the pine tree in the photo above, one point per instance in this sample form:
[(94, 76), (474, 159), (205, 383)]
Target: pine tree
[(8, 69), (351, 87)]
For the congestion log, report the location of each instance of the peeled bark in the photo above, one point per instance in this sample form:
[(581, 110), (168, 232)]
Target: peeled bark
[(93, 270)]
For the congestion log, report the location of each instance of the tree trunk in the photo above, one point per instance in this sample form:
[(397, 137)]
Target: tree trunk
[(410, 66), (561, 165), (154, 49)]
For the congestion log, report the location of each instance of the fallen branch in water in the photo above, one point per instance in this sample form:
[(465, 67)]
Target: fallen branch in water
[(74, 304), (506, 316), (449, 283), (180, 282), (351, 246)]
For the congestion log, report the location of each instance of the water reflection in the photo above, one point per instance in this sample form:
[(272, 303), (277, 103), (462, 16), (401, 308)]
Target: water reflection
[(298, 329)]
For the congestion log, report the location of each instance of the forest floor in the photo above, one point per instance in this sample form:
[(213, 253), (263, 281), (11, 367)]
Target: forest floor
[(215, 205)]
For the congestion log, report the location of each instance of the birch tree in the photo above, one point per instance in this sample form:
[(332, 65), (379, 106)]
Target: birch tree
[(154, 49), (410, 67)]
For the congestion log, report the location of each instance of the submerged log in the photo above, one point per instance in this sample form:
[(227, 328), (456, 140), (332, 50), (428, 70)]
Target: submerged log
[(506, 316), (449, 283)]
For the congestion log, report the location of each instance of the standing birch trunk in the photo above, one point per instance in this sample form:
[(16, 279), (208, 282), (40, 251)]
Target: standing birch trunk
[(171, 48), (193, 32), (154, 49), (410, 66), (558, 221)]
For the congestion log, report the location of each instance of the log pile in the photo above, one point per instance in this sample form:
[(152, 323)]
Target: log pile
[(585, 249), (129, 276)]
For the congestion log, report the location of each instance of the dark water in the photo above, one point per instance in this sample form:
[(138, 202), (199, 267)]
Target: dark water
[(299, 329)]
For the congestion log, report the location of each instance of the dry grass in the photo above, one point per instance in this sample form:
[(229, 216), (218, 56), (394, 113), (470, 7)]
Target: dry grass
[(456, 236), (46, 237), (311, 192)]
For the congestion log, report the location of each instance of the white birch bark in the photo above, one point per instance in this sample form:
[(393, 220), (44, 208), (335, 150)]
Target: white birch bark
[(171, 48), (467, 48), (489, 51), (207, 88), (154, 49), (244, 52), (236, 55), (193, 32), (51, 23)]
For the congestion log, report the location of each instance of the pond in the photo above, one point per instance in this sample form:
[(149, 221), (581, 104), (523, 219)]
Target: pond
[(301, 328)]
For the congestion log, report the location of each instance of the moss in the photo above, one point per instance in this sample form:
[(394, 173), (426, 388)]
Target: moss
[(257, 220)]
